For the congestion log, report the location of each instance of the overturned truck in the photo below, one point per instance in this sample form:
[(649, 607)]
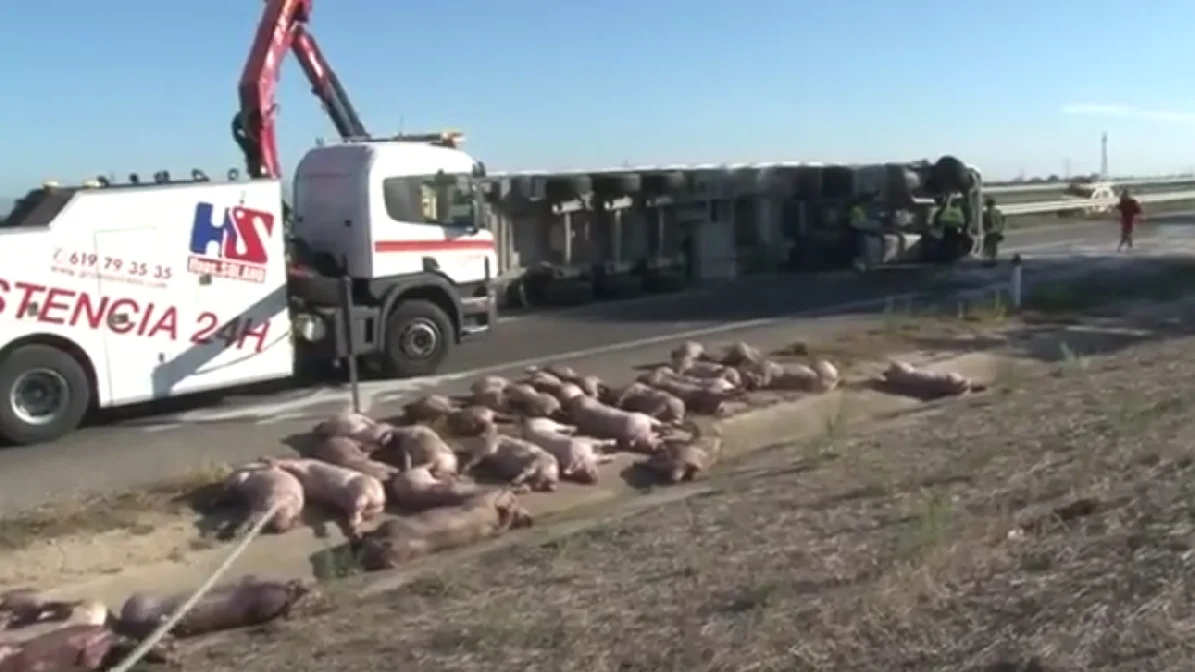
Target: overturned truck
[(571, 237)]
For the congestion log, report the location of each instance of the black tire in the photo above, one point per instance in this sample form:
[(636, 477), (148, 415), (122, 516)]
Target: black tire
[(407, 314), (61, 420)]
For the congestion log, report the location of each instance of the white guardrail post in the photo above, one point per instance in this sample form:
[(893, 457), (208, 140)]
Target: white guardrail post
[(1039, 207)]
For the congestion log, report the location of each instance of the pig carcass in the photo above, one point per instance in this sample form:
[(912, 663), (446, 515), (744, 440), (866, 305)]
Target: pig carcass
[(681, 461), (259, 487), (904, 378), (428, 408), (700, 370), (689, 350), (523, 399), (490, 391), (542, 381), (634, 432), (358, 497), (350, 453), (52, 615), (590, 385), (247, 602), (400, 540), (577, 456), (417, 445), (354, 425), (474, 420), (78, 648), (418, 489), (518, 462), (740, 353), (641, 398), (700, 396)]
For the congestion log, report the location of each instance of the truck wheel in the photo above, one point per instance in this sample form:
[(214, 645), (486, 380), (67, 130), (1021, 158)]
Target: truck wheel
[(45, 394), (418, 337)]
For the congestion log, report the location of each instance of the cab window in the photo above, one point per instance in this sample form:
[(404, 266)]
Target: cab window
[(442, 200)]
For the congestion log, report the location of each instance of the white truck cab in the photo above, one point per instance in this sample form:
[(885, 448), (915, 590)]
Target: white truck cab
[(118, 294)]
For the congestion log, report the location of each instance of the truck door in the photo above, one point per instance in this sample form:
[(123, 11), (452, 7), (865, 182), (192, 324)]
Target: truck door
[(441, 213), (234, 281), (143, 322)]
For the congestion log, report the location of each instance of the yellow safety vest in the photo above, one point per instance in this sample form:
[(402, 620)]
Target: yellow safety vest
[(858, 217), (952, 215)]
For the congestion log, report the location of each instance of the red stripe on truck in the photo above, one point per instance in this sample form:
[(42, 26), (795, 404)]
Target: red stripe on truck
[(450, 245)]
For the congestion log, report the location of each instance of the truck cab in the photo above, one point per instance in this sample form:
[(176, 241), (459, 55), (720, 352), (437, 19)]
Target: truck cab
[(399, 223)]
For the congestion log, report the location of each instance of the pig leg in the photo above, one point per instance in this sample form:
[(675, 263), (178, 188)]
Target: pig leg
[(602, 446), (531, 479)]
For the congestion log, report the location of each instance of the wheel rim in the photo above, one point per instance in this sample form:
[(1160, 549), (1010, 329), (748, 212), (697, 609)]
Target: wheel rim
[(39, 396), (420, 339)]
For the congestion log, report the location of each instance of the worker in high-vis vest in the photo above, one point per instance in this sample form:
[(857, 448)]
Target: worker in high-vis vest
[(950, 216), (946, 227)]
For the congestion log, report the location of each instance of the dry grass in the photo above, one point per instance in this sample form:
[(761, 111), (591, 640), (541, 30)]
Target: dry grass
[(1047, 522), (136, 511), (904, 328)]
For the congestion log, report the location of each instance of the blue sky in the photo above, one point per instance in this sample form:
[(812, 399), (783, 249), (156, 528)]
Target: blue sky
[(1011, 85)]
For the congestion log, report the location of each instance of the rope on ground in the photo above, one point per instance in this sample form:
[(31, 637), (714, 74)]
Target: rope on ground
[(167, 625)]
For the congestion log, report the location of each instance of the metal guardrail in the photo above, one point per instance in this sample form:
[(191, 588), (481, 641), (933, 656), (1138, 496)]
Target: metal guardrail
[(1063, 185), (1070, 204)]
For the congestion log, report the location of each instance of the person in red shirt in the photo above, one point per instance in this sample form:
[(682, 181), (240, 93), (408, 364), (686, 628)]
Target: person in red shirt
[(1130, 215)]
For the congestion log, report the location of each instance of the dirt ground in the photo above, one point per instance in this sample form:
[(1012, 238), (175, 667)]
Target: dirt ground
[(1043, 522), (1044, 525), (170, 527)]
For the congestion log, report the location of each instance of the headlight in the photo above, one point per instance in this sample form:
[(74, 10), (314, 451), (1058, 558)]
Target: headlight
[(311, 328)]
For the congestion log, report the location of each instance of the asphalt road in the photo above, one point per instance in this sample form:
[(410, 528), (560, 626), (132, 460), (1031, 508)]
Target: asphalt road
[(608, 339)]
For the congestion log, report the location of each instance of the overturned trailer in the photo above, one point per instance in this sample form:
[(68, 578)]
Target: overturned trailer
[(569, 237)]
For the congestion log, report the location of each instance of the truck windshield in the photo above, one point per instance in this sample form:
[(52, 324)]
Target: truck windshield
[(449, 199)]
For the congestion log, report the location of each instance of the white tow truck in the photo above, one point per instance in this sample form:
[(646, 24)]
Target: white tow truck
[(118, 294)]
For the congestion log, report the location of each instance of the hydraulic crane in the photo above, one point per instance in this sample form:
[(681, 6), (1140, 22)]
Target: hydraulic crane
[(283, 26)]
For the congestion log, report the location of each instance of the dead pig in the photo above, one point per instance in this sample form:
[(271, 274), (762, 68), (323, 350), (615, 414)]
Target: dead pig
[(418, 489), (258, 488), (635, 432), (689, 350), (358, 497), (245, 603), (682, 460), (56, 615), (904, 378), (821, 377), (542, 381), (353, 425), (79, 648), (740, 353), (591, 385), (525, 400), (692, 368), (428, 409), (577, 456), (707, 397), (490, 392), (400, 540), (420, 445), (21, 606), (659, 404), (518, 462), (474, 420), (349, 453)]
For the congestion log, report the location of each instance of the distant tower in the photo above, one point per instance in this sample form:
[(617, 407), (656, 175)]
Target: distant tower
[(1104, 156)]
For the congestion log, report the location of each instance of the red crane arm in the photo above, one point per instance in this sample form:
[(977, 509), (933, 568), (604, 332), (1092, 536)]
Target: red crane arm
[(282, 28)]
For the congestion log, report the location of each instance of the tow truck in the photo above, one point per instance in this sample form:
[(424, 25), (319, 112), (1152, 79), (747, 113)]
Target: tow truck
[(115, 294)]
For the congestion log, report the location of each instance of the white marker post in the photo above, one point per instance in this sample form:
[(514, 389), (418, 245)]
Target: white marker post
[(1015, 282)]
